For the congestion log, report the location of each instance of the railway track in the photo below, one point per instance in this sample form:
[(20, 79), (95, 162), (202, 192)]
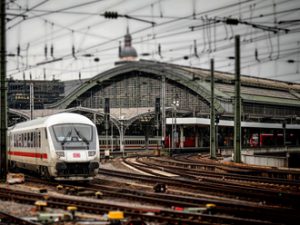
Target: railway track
[(239, 168), (221, 188), (234, 200), (237, 209), (198, 171), (230, 206), (146, 214)]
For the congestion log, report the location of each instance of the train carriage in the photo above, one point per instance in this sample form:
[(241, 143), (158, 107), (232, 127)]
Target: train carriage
[(63, 146)]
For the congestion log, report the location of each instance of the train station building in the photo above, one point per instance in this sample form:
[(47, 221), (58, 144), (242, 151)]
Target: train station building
[(138, 103), (134, 87)]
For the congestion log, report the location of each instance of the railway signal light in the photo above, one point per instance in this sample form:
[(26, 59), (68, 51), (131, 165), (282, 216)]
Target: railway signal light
[(111, 15)]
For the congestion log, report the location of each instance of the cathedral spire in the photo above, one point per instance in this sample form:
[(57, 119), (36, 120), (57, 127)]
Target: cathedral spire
[(128, 53)]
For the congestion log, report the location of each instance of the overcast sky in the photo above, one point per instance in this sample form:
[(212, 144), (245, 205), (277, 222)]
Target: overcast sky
[(189, 32)]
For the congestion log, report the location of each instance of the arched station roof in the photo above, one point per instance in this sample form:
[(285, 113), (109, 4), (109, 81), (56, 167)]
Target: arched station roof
[(171, 72), (262, 98)]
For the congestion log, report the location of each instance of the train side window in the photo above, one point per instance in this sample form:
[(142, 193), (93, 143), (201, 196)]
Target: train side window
[(22, 140), (25, 140), (34, 140), (18, 140), (39, 139), (10, 141), (46, 136), (30, 140)]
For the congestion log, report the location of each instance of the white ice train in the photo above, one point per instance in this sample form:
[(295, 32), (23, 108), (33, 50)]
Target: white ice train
[(63, 146)]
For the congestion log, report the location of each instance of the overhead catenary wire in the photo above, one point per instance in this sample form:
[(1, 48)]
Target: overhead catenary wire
[(110, 43), (25, 11)]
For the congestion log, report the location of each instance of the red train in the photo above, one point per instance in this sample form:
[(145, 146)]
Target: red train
[(188, 142), (269, 139)]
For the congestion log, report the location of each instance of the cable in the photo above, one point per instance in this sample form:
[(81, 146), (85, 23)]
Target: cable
[(23, 14), (64, 9), (59, 12), (111, 41)]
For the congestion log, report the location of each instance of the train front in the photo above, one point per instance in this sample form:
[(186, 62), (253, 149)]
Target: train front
[(76, 150)]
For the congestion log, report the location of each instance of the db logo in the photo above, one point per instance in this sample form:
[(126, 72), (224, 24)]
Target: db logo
[(76, 155)]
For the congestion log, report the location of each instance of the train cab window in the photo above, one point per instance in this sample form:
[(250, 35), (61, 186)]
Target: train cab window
[(73, 132), (15, 140)]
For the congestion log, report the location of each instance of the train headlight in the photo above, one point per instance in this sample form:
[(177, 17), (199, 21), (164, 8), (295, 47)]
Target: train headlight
[(60, 154), (92, 153)]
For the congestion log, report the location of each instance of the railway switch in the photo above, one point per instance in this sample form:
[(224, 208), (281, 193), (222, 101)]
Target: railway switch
[(72, 210), (115, 217), (40, 205), (99, 194), (59, 187), (210, 208)]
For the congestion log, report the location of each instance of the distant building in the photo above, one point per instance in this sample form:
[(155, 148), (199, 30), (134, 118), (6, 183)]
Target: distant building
[(45, 92), (128, 52)]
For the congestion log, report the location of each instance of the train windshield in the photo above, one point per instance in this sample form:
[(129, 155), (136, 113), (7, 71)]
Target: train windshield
[(73, 132)]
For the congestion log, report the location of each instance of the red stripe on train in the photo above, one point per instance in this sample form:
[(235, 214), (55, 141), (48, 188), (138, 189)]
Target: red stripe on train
[(29, 154)]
